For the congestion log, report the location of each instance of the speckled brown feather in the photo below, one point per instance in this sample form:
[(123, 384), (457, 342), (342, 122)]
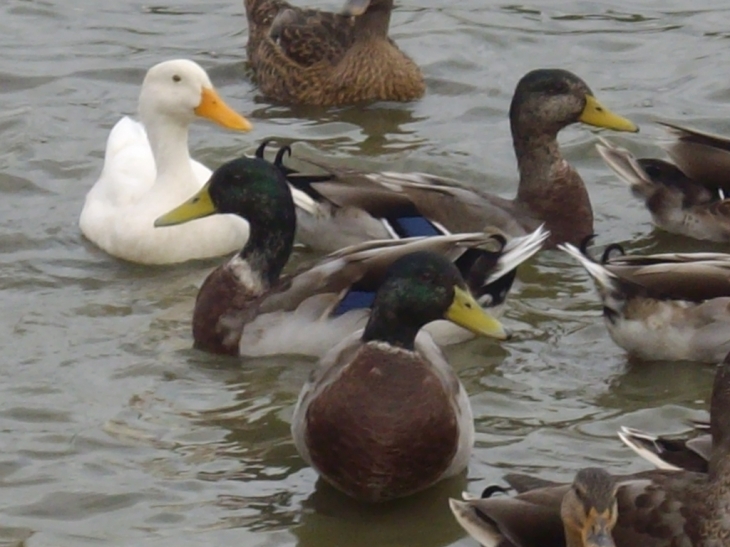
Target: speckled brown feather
[(655, 508), (326, 59), (385, 429)]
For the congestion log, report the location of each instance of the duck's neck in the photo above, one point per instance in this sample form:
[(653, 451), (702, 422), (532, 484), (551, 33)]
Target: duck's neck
[(169, 143), (538, 155), (550, 189), (384, 326), (373, 23), (270, 243)]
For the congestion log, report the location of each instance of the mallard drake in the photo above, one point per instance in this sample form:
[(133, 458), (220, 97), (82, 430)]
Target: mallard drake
[(587, 510), (691, 453), (148, 170), (348, 206), (384, 415), (686, 197), (245, 306), (665, 306), (305, 56), (656, 508)]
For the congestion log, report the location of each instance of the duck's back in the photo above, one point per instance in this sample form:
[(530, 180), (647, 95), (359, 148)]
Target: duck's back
[(120, 209)]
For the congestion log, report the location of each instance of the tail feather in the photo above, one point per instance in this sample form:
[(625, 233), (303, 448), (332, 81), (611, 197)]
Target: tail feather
[(517, 250), (645, 445), (476, 523), (599, 273), (627, 167)]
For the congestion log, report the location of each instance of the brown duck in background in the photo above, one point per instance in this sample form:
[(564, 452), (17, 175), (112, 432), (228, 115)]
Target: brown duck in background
[(587, 510), (305, 56), (349, 206), (686, 197), (656, 508)]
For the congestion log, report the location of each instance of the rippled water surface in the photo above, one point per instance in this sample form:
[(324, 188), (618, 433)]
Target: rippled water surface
[(115, 432)]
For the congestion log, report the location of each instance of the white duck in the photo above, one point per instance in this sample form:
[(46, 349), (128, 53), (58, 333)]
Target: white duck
[(148, 171)]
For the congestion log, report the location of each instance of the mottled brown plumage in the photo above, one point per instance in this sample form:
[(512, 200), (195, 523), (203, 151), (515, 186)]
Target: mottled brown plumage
[(655, 508), (685, 197), (305, 56), (550, 191)]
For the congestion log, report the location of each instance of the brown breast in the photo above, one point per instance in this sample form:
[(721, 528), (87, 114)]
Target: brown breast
[(386, 428)]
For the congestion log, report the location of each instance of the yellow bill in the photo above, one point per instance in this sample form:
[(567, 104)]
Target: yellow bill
[(198, 206), (355, 7), (598, 115), (466, 312), (213, 108)]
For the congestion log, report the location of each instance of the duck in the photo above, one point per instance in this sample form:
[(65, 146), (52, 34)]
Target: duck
[(383, 415), (310, 57), (585, 516), (246, 307), (655, 508), (663, 307), (147, 170), (691, 453), (687, 195), (348, 206)]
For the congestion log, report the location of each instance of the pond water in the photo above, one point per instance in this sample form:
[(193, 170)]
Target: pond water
[(115, 432)]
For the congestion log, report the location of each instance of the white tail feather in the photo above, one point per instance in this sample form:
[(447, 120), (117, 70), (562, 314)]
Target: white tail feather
[(600, 274), (628, 436), (517, 250)]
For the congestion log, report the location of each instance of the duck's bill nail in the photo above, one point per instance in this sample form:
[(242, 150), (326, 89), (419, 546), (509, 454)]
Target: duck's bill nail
[(198, 206), (466, 312), (598, 115), (215, 109), (355, 7), (600, 536)]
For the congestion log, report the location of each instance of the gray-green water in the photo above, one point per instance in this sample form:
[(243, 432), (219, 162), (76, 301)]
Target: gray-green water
[(114, 432)]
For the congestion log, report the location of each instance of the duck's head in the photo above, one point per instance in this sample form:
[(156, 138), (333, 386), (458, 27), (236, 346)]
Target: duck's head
[(589, 509), (251, 188), (546, 100), (180, 90), (419, 288)]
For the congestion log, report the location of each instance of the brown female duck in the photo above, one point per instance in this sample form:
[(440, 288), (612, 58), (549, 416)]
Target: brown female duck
[(304, 56), (348, 206), (588, 512), (384, 415), (247, 307), (656, 508), (686, 197)]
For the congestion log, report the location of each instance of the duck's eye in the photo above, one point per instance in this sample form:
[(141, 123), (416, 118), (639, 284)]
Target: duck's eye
[(176, 78)]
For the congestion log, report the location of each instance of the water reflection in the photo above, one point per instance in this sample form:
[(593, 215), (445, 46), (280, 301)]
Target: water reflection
[(369, 130)]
